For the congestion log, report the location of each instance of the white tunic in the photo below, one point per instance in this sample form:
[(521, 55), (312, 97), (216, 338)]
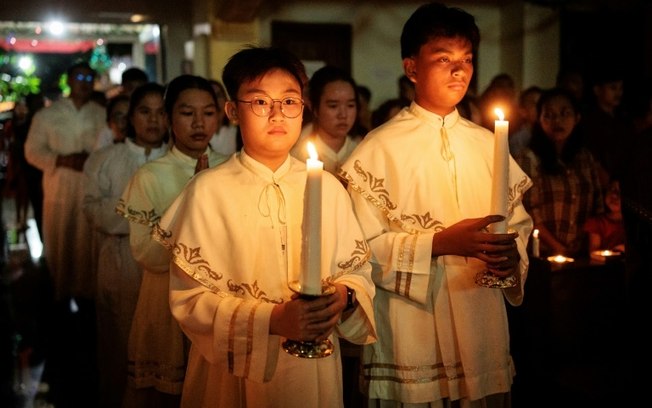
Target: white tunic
[(440, 334), (108, 171), (68, 245), (235, 235), (157, 349)]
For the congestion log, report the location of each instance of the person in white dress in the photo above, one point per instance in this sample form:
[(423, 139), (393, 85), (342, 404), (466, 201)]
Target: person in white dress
[(235, 235), (157, 348), (108, 171)]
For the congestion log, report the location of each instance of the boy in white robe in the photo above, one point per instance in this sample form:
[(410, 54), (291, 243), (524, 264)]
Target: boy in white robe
[(235, 239), (421, 189)]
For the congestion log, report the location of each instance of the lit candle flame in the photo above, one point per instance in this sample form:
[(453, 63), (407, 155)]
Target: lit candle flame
[(312, 151), (606, 252), (499, 113), (535, 233)]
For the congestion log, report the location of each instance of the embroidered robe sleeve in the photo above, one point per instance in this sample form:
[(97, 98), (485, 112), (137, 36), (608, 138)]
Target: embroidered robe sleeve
[(140, 204)]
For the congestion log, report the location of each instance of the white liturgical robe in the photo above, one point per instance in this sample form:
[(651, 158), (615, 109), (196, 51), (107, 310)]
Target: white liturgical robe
[(235, 238), (442, 335)]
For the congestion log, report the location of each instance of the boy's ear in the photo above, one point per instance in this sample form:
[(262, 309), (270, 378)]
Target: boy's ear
[(409, 68), (231, 111)]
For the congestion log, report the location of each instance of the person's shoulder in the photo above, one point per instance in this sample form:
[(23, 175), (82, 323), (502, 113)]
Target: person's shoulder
[(215, 158)]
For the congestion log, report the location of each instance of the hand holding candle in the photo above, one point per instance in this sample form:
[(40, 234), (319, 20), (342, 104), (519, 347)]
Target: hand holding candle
[(499, 191), (311, 227)]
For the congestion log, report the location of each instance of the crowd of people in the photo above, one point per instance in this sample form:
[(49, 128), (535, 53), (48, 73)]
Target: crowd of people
[(171, 217)]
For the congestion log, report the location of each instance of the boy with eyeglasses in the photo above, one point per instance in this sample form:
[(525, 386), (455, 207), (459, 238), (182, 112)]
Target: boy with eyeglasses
[(235, 235)]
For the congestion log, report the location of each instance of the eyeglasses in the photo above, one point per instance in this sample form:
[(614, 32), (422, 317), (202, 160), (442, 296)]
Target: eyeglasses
[(82, 77), (262, 106)]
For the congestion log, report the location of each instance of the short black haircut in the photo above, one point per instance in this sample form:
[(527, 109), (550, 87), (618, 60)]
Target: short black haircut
[(434, 20), (134, 74), (254, 62)]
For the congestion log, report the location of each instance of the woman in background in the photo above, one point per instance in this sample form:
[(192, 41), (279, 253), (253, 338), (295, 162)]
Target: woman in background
[(334, 101), (566, 189), (158, 349)]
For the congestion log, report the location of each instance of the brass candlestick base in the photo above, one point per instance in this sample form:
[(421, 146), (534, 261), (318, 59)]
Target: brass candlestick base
[(309, 349)]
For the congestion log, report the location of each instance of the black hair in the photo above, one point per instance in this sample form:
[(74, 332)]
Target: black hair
[(112, 103), (364, 92), (254, 62), (136, 97), (134, 74), (434, 20), (78, 66), (324, 76), (183, 83), (543, 147)]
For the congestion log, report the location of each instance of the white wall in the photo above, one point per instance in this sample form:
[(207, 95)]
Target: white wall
[(526, 49)]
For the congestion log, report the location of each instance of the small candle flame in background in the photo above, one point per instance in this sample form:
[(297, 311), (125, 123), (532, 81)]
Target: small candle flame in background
[(535, 243)]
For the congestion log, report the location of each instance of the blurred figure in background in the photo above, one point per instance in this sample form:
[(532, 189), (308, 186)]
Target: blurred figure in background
[(386, 111), (527, 111), (363, 121), (24, 181), (500, 93), (334, 100), (226, 141), (566, 187), (107, 172), (116, 122), (607, 128), (58, 143)]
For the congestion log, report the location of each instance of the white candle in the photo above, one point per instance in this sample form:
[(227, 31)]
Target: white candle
[(500, 187), (535, 243), (311, 227)]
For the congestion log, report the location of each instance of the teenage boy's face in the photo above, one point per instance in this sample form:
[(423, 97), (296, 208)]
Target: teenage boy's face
[(441, 72), (267, 139)]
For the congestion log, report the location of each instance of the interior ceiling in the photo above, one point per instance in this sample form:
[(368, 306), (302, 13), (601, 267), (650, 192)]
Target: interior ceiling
[(164, 11)]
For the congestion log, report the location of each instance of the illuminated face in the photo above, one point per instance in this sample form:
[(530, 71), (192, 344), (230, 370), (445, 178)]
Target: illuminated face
[(441, 72), (267, 138), (194, 121), (558, 119), (150, 121), (337, 110)]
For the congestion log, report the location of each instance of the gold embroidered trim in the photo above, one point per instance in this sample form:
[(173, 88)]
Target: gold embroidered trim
[(144, 217), (380, 198), (424, 221), (516, 192)]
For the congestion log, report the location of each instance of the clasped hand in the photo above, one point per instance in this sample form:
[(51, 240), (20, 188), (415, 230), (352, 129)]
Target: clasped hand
[(470, 238), (309, 320)]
